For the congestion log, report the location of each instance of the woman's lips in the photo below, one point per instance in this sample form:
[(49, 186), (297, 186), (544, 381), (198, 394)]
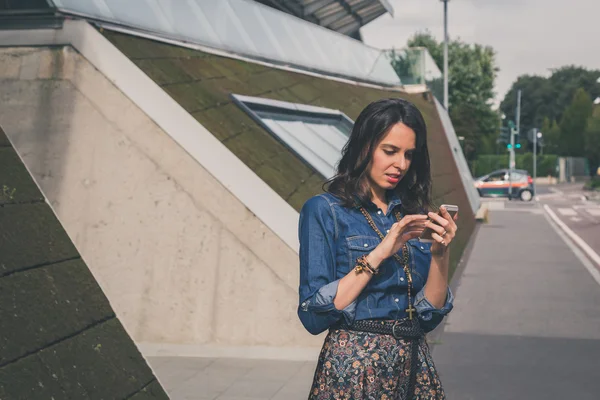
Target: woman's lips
[(393, 178)]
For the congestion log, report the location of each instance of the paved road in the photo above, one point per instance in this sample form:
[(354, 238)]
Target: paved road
[(526, 323), (570, 206)]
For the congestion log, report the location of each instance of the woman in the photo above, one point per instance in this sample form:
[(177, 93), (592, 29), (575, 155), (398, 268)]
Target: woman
[(364, 275)]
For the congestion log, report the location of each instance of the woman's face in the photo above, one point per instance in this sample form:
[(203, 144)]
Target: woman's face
[(392, 157)]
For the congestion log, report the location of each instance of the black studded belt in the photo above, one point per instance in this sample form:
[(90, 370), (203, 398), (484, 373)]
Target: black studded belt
[(403, 329)]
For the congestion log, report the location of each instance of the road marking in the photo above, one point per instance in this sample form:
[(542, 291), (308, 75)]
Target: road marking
[(567, 212), (555, 190), (576, 219), (575, 238), (594, 212)]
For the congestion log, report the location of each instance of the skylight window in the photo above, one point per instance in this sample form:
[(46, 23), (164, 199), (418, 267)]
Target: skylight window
[(315, 134)]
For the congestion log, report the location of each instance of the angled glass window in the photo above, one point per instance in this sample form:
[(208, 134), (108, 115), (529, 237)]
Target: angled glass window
[(315, 134), (246, 28)]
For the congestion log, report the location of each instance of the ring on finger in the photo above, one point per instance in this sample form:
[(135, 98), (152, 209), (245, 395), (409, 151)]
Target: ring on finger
[(444, 234)]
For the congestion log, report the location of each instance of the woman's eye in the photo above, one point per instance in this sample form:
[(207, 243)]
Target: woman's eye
[(389, 152), (409, 156)]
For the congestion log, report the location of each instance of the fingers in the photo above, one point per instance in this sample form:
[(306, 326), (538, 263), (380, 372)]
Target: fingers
[(437, 228), (413, 235), (412, 218), (449, 218), (441, 240), (440, 219), (445, 219)]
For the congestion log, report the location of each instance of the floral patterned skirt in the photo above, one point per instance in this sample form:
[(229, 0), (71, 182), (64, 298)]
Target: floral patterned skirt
[(368, 366)]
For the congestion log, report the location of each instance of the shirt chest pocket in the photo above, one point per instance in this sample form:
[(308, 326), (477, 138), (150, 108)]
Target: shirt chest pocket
[(359, 246), (421, 261)]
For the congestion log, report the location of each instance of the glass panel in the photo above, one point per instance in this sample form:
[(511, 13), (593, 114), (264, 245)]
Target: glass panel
[(148, 14), (331, 134), (94, 8), (316, 134), (459, 157), (248, 28), (434, 79), (294, 135), (190, 22), (498, 176), (259, 31), (415, 66), (225, 24)]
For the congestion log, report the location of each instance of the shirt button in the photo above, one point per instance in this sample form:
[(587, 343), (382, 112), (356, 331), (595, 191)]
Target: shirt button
[(387, 231), (422, 248), (366, 245), (379, 212), (304, 304), (396, 300), (401, 279)]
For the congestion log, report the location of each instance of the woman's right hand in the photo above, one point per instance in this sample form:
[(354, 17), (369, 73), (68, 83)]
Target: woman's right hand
[(409, 227)]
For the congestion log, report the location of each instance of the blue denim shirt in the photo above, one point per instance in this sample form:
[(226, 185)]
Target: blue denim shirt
[(332, 237)]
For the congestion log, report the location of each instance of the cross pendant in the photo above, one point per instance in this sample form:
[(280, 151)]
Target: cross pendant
[(410, 311)]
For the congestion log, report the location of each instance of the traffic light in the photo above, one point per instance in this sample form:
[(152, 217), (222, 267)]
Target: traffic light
[(509, 146), (504, 134), (518, 145)]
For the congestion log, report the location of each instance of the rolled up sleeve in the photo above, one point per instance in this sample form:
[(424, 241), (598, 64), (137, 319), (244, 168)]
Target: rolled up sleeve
[(318, 283), (429, 316)]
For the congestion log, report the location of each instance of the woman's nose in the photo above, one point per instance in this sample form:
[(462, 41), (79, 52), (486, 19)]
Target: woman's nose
[(401, 163)]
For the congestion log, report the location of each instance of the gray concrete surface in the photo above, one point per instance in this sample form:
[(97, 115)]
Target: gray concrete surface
[(233, 379), (526, 323)]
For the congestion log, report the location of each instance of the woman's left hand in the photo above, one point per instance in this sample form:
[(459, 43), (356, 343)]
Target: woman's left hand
[(444, 227)]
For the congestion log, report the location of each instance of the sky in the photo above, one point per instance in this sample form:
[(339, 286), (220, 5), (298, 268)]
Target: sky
[(529, 36)]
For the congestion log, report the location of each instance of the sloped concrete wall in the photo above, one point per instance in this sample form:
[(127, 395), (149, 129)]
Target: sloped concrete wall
[(181, 259), (59, 337)]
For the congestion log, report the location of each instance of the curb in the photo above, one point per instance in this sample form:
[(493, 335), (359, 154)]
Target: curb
[(433, 337)]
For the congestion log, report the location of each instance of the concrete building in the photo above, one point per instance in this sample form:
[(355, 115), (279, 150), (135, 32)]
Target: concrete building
[(177, 141)]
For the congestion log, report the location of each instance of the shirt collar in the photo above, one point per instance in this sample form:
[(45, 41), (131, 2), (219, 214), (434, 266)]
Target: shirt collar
[(393, 201)]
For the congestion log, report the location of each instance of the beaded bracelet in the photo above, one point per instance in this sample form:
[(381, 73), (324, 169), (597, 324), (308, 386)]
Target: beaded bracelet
[(362, 264)]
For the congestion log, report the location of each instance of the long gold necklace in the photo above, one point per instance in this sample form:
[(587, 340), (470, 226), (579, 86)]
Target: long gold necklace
[(403, 261)]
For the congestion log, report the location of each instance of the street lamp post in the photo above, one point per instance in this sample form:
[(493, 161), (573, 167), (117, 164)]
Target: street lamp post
[(445, 53), (536, 135)]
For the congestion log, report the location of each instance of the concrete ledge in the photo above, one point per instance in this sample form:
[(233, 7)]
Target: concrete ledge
[(482, 214), (213, 351)]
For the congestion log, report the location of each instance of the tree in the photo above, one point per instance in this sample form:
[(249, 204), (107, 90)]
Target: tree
[(592, 140), (548, 97), (551, 138), (574, 123), (472, 72)]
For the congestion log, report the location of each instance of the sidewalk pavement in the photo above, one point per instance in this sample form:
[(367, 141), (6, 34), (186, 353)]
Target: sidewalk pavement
[(187, 378), (526, 325), (526, 322)]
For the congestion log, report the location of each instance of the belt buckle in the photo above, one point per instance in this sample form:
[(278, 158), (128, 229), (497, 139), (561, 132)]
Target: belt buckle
[(394, 334)]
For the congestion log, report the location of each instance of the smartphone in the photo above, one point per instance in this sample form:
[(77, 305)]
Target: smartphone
[(426, 235)]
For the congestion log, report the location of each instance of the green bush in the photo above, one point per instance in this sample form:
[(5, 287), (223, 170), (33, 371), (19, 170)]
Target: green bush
[(484, 164), (593, 184)]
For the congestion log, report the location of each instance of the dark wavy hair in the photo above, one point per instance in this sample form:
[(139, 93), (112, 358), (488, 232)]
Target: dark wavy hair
[(351, 184)]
